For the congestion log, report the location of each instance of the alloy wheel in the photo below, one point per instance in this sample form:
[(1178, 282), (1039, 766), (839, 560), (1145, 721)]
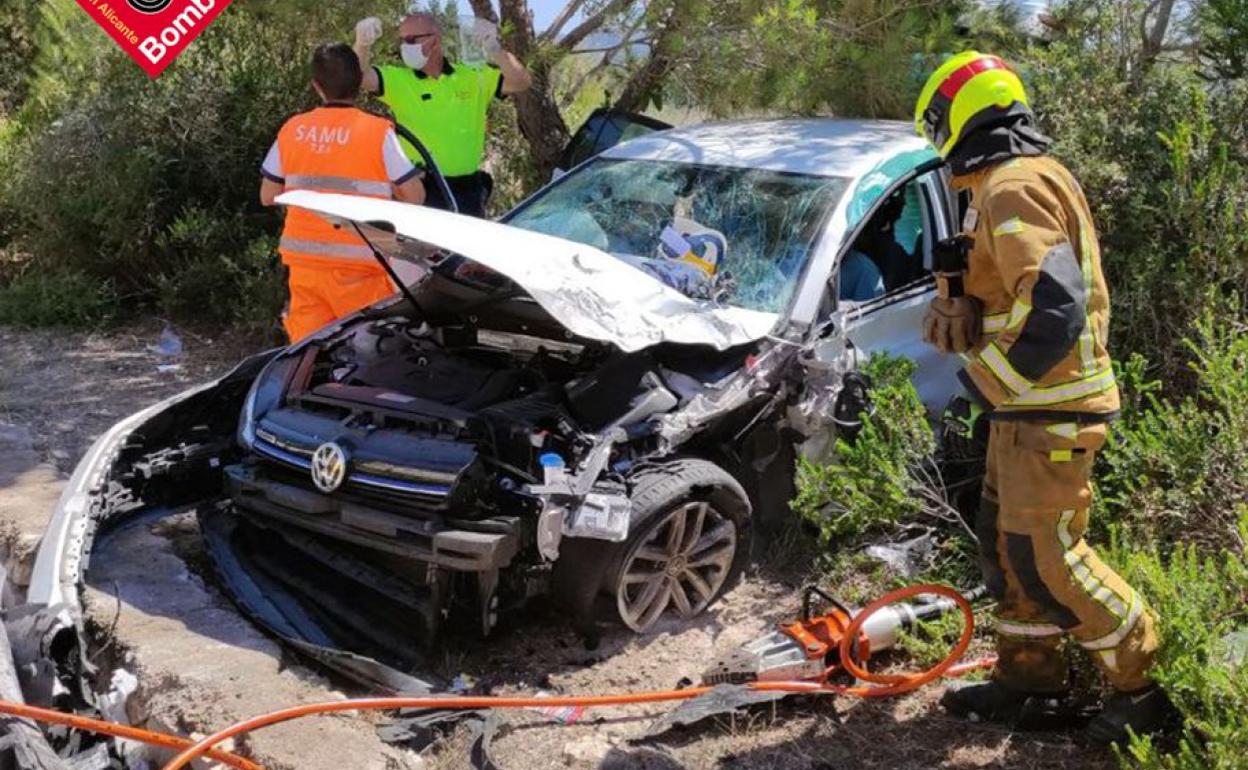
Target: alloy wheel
[(680, 565)]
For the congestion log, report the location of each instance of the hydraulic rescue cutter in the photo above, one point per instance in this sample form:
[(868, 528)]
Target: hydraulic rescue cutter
[(807, 649)]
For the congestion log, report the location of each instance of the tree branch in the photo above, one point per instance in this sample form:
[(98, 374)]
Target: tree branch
[(518, 20), (591, 25), (1155, 38), (645, 40), (660, 62), (537, 114), (560, 21), (484, 9), (587, 75)]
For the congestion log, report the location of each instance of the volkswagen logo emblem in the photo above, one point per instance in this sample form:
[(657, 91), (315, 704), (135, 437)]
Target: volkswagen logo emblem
[(329, 467)]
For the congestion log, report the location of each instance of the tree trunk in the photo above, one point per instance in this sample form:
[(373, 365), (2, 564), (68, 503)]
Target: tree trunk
[(537, 114), (1154, 38), (540, 122), (642, 83)]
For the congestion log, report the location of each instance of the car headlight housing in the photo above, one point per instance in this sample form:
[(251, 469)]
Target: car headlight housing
[(266, 392)]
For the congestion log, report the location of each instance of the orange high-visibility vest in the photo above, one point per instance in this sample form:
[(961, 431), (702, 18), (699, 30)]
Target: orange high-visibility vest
[(337, 150)]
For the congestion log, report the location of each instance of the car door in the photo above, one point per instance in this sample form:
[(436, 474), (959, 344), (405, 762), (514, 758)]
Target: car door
[(892, 322), (602, 130)]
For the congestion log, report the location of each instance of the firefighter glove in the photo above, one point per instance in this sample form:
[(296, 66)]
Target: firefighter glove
[(952, 324)]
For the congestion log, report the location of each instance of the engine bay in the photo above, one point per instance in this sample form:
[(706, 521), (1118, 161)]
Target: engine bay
[(513, 396)]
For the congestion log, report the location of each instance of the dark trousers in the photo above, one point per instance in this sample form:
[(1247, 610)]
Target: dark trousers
[(471, 192)]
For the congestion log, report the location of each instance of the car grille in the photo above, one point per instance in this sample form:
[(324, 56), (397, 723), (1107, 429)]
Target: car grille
[(302, 460), (391, 467)]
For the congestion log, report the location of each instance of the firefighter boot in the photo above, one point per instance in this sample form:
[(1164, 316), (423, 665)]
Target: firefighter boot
[(1144, 711), (996, 702), (988, 701), (993, 701)]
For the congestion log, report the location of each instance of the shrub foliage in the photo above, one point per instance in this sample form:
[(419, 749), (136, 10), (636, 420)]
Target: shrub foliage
[(149, 187)]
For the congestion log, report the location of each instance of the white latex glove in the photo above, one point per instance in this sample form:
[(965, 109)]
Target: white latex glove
[(486, 35), (367, 31)]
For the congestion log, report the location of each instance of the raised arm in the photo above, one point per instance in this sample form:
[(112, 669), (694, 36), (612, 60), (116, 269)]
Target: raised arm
[(367, 31), (516, 78)]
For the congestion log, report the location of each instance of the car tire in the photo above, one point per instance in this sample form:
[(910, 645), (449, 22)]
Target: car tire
[(698, 563), (689, 569), (714, 514)]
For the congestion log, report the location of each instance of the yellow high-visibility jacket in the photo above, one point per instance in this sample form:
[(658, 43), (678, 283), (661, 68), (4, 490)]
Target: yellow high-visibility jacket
[(1036, 267)]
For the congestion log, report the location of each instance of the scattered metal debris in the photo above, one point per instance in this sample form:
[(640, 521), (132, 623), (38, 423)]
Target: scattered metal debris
[(720, 700)]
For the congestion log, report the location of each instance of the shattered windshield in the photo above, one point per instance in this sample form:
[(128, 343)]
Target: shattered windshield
[(738, 236)]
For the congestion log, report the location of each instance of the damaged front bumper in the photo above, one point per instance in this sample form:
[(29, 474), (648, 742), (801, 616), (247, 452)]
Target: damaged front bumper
[(162, 456), (491, 543)]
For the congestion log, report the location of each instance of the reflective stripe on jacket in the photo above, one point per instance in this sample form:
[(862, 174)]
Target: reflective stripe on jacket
[(334, 150), (1036, 267)]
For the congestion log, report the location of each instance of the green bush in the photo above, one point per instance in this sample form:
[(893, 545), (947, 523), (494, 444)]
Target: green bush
[(150, 186), (1177, 468), (1173, 498), (872, 481), (1162, 157), (60, 298), (1203, 661), (17, 51), (885, 484), (153, 180)]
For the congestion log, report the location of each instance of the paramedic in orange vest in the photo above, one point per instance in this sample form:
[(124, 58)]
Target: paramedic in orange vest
[(335, 148)]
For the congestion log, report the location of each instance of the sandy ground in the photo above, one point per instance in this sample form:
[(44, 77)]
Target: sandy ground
[(68, 387), (201, 665)]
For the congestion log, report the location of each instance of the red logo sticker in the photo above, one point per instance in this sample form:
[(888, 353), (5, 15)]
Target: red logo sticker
[(153, 32)]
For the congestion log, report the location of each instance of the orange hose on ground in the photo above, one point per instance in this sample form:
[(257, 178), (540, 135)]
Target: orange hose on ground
[(120, 731), (892, 684), (896, 684)]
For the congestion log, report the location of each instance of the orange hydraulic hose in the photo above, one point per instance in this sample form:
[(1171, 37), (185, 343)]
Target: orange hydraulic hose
[(893, 684), (119, 731), (896, 684)]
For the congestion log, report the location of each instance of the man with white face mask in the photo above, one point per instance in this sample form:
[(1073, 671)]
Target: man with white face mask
[(443, 104)]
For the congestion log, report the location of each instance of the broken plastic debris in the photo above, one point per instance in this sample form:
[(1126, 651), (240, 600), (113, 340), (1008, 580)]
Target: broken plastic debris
[(567, 715), (167, 344), (904, 557), (462, 684), (601, 517)]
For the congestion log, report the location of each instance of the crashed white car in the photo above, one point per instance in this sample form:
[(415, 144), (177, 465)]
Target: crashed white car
[(599, 397)]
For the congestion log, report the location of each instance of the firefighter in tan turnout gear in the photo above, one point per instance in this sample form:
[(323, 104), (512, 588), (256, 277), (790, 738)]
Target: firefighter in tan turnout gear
[(1023, 298)]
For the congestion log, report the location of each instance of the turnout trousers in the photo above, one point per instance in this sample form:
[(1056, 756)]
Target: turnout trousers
[(1047, 581)]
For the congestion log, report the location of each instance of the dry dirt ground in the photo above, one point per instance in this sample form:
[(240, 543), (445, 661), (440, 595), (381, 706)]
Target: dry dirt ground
[(200, 665)]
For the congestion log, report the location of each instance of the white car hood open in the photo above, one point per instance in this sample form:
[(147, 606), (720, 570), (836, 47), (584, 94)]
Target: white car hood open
[(592, 293)]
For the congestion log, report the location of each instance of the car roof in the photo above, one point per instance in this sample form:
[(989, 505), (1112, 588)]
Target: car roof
[(815, 146)]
